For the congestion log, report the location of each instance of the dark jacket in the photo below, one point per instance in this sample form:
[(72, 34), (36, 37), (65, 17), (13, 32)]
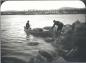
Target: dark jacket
[(59, 24), (27, 25)]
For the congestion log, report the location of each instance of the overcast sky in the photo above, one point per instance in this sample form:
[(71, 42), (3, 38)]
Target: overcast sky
[(39, 5)]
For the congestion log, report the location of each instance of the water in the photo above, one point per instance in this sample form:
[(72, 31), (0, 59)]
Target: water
[(14, 40)]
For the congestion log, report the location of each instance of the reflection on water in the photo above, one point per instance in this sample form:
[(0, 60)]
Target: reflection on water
[(27, 37), (14, 41)]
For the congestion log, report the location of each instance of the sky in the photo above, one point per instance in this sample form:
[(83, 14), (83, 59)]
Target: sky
[(39, 5)]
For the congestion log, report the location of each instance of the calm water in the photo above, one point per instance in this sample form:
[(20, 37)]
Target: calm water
[(14, 38)]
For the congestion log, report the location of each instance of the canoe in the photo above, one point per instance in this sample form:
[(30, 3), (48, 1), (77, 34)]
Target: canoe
[(27, 30), (38, 32)]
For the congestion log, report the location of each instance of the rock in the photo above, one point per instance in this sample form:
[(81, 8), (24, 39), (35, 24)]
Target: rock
[(76, 39), (38, 59), (49, 56), (43, 57)]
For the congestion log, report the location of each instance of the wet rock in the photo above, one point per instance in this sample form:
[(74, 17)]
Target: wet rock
[(49, 56), (38, 59), (44, 57)]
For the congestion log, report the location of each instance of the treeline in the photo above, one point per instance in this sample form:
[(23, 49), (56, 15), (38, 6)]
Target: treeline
[(46, 12)]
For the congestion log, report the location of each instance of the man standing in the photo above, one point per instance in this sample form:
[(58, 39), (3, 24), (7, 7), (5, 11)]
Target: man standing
[(27, 25), (58, 25)]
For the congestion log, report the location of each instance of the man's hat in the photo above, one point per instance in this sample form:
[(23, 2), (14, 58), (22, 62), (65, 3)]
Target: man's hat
[(28, 21)]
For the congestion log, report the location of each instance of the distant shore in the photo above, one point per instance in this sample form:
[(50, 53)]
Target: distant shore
[(45, 12)]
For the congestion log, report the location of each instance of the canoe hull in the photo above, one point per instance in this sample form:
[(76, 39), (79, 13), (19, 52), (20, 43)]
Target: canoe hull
[(38, 33), (27, 30)]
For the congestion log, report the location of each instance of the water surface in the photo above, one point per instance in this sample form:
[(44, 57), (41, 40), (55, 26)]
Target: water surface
[(15, 41)]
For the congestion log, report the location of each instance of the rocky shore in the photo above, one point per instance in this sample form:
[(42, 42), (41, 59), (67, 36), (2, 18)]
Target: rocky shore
[(70, 45)]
